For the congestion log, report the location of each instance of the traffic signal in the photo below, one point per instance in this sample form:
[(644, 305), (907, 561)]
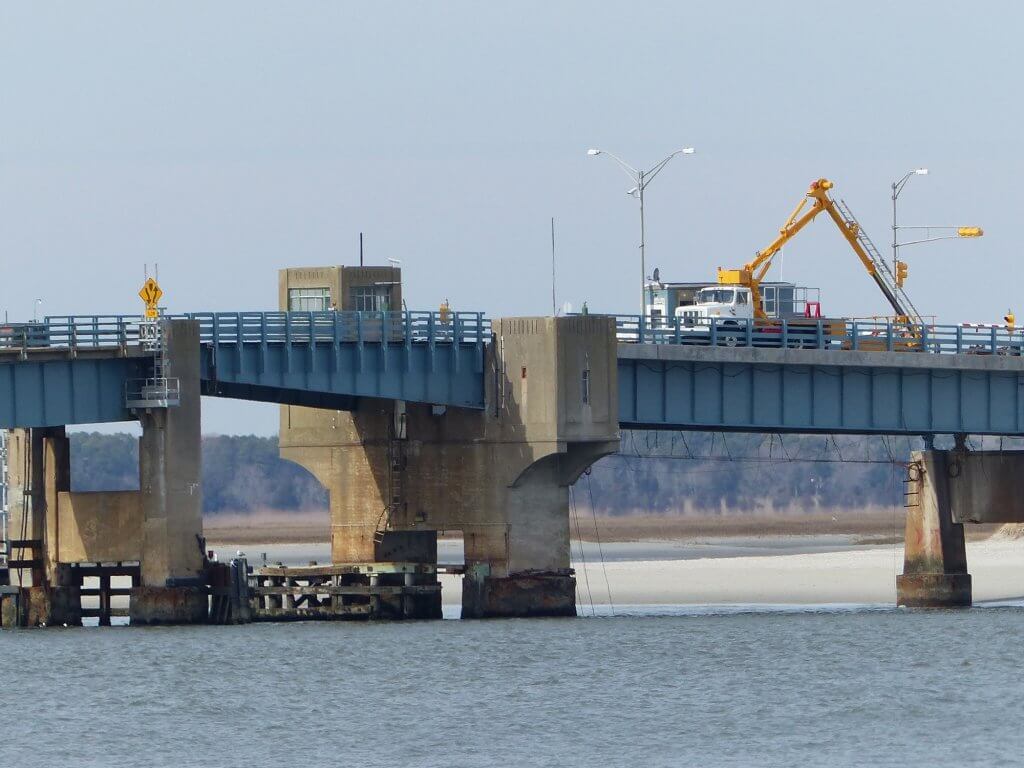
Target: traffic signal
[(445, 312), (1010, 319), (901, 273)]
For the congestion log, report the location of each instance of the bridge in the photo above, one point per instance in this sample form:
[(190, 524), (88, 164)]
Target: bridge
[(722, 376), (75, 369), (419, 422)]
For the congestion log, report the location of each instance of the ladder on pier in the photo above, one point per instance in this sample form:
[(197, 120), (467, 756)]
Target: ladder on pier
[(5, 547), (159, 390), (883, 274), (397, 460)]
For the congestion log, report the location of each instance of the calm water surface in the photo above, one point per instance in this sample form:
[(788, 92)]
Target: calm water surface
[(658, 687)]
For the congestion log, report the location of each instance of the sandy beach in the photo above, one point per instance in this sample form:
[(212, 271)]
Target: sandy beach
[(747, 570)]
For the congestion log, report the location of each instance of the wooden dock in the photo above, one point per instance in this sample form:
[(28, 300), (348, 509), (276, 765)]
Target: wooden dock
[(345, 591)]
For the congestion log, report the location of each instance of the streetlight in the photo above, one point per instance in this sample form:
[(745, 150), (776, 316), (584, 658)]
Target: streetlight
[(897, 187), (900, 269), (641, 179)]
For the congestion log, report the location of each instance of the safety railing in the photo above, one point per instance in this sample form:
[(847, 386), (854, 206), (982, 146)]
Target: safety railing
[(106, 331), (299, 327), (70, 333), (823, 333)]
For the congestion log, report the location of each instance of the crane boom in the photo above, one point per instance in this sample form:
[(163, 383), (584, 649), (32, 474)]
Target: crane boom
[(754, 272)]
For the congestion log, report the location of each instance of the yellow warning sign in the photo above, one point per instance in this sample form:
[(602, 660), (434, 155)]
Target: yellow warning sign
[(151, 294)]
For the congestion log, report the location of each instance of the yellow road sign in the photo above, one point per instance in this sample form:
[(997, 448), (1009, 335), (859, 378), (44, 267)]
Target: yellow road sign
[(151, 294)]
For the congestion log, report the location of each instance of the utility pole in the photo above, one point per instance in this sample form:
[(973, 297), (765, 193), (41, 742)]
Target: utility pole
[(641, 179), (554, 307)]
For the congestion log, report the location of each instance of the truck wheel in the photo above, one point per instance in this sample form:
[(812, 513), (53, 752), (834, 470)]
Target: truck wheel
[(731, 337)]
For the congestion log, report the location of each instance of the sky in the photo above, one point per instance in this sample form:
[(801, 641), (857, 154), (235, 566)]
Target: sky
[(227, 140)]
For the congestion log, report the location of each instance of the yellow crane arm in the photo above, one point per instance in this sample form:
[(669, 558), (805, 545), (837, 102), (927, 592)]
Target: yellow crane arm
[(754, 271), (851, 229)]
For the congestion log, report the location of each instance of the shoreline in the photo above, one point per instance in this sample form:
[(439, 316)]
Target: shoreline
[(877, 526), (728, 570)]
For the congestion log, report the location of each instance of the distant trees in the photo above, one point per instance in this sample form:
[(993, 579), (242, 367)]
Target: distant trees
[(691, 472), (240, 473), (655, 472)]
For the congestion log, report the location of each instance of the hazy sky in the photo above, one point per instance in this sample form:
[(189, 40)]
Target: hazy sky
[(226, 140)]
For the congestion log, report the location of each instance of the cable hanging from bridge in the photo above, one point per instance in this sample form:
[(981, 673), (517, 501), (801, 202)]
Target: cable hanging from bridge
[(600, 549), (574, 513)]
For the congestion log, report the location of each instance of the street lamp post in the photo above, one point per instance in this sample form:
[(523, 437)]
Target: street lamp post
[(897, 187), (953, 232), (641, 179)]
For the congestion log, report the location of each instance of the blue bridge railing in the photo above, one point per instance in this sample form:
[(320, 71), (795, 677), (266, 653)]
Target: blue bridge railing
[(822, 333), (97, 331)]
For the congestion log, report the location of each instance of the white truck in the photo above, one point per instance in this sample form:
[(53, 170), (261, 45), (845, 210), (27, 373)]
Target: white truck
[(717, 301), (725, 314)]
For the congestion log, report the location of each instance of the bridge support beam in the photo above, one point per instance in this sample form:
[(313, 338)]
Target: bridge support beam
[(170, 496), (39, 470), (398, 474), (935, 558)]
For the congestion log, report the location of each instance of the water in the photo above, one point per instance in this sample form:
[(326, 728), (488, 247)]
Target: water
[(832, 686)]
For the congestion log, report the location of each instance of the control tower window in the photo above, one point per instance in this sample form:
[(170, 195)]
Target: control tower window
[(371, 298), (309, 299)]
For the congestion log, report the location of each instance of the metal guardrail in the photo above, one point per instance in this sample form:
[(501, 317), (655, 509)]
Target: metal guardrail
[(298, 327), (120, 331), (807, 333), (76, 332)]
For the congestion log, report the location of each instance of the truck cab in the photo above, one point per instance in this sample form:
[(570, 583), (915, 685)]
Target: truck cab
[(717, 302)]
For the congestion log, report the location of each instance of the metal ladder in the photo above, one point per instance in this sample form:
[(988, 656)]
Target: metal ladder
[(882, 269), (160, 390), (396, 481), (5, 540)]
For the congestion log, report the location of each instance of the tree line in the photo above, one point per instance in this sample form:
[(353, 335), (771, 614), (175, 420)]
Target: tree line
[(654, 472), (242, 473)]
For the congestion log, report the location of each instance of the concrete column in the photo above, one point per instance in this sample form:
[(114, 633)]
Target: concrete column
[(501, 475), (39, 470), (348, 454), (56, 480), (170, 496), (25, 492), (935, 559)]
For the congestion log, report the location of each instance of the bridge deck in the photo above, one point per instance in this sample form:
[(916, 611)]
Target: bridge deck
[(805, 376), (664, 386), (73, 369)]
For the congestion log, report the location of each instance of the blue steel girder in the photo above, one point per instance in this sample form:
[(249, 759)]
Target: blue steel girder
[(51, 390), (819, 391), (332, 374)]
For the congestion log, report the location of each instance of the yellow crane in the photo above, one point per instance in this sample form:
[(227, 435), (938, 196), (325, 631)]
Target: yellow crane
[(755, 270)]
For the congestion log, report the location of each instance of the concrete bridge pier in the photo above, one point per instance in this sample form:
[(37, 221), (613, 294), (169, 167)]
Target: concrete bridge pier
[(398, 474), (170, 496), (360, 457), (39, 472), (935, 559), (948, 489), (159, 526), (517, 560)]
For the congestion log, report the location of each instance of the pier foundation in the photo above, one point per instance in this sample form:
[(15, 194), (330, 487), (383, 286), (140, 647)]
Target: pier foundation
[(39, 473), (945, 491), (170, 496), (152, 536), (398, 474), (935, 558)]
